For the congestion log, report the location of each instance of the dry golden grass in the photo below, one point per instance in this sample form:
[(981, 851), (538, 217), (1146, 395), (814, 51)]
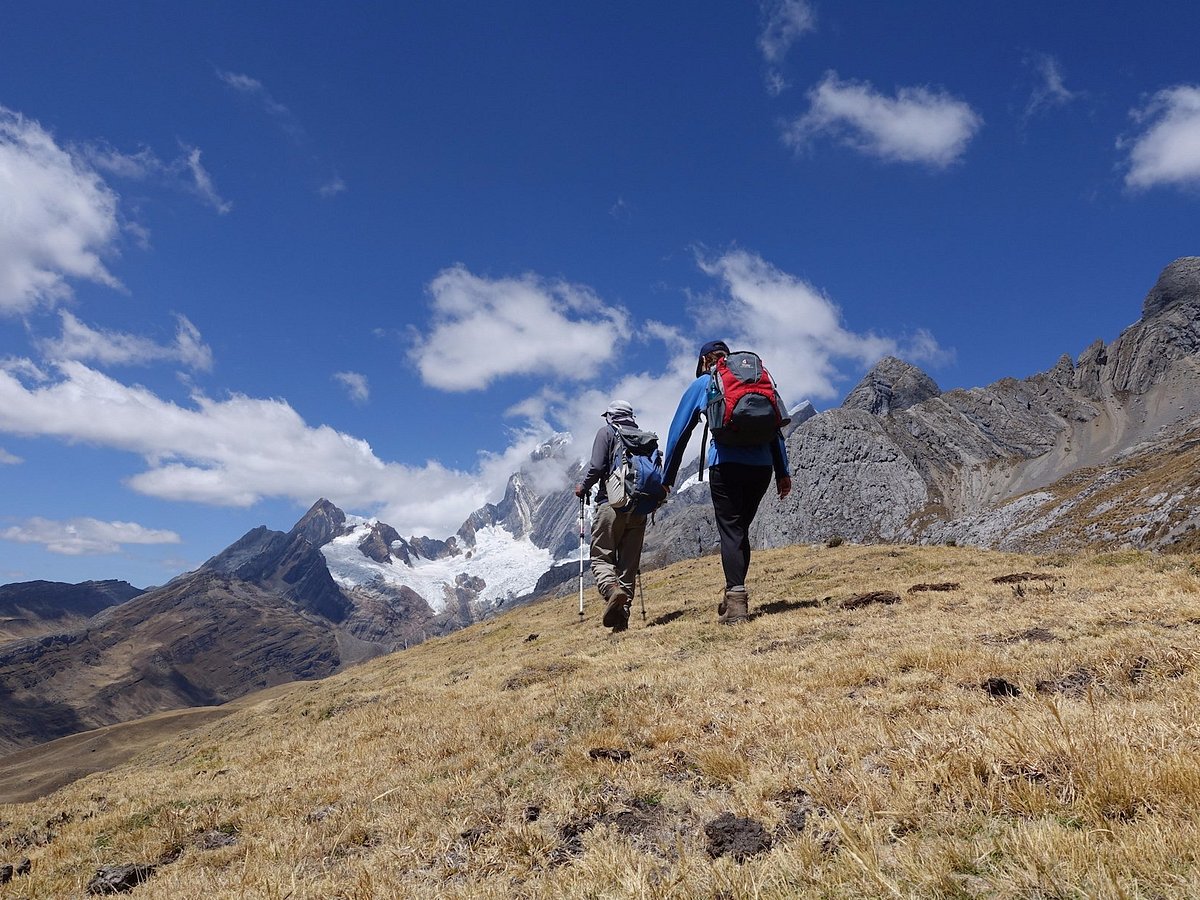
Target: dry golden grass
[(1032, 739)]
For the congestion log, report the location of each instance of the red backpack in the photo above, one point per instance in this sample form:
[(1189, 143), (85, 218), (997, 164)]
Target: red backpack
[(744, 409)]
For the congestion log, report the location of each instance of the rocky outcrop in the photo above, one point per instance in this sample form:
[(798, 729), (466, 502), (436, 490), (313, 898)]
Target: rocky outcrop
[(684, 528), (1178, 284), (1168, 332), (848, 465), (430, 548), (555, 522), (290, 563), (900, 460), (380, 541), (389, 619), (798, 415), (544, 509), (891, 385), (1148, 496), (929, 457), (321, 524)]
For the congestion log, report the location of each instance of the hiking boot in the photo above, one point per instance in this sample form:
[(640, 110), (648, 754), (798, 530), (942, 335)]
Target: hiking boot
[(616, 613), (735, 607)]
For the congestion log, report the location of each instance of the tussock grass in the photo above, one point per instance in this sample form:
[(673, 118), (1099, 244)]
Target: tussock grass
[(863, 746)]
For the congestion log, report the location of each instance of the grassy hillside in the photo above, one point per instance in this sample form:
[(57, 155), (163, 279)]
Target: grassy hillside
[(1033, 737)]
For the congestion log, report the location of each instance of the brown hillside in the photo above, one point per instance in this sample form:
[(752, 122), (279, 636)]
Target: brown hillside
[(202, 640), (895, 722), (32, 608)]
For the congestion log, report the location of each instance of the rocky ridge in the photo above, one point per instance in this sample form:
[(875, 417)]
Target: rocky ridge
[(902, 460), (38, 607), (931, 466)]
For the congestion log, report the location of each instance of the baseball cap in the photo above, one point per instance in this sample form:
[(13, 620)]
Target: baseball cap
[(710, 347)]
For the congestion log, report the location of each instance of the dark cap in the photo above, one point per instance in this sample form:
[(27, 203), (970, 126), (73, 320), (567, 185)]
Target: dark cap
[(710, 347)]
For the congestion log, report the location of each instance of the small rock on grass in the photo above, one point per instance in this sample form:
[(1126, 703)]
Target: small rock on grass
[(860, 600), (119, 879), (1001, 687), (8, 873), (730, 835), (609, 753)]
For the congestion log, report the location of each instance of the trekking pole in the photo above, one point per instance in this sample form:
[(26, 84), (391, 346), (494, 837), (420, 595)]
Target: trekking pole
[(641, 594), (582, 501)]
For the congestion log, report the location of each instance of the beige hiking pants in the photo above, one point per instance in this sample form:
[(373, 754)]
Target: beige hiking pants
[(616, 549)]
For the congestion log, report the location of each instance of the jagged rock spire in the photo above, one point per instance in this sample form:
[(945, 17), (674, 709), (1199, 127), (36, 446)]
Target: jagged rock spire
[(1178, 283), (891, 385), (321, 523)]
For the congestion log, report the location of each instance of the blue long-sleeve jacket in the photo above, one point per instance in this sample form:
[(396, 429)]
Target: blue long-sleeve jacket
[(691, 406)]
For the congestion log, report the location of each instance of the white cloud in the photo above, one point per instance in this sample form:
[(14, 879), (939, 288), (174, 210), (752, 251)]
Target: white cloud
[(1167, 150), (355, 384), (22, 367), (653, 395), (776, 83), (8, 459), (140, 166), (784, 21), (252, 87), (139, 232), (486, 329), (58, 218), (796, 329), (922, 347), (332, 188), (236, 451), (918, 125), (257, 91), (85, 536), (185, 172), (1052, 91), (204, 184), (111, 348), (620, 209)]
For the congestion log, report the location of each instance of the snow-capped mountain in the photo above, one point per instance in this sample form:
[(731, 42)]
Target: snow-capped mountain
[(384, 591), (503, 565), (399, 589)]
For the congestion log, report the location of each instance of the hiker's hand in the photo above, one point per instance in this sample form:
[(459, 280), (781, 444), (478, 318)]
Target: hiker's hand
[(579, 492), (784, 486)]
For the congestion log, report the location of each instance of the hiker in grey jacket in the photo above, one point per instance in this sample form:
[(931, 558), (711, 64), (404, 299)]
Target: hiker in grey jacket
[(617, 535)]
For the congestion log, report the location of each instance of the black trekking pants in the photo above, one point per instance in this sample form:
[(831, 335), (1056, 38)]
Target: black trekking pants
[(737, 489)]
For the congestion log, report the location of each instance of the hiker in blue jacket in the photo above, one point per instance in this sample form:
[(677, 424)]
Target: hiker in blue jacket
[(739, 478), (617, 535)]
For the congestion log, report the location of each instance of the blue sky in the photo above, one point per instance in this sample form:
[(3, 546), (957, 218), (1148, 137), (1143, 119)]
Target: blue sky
[(254, 254)]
